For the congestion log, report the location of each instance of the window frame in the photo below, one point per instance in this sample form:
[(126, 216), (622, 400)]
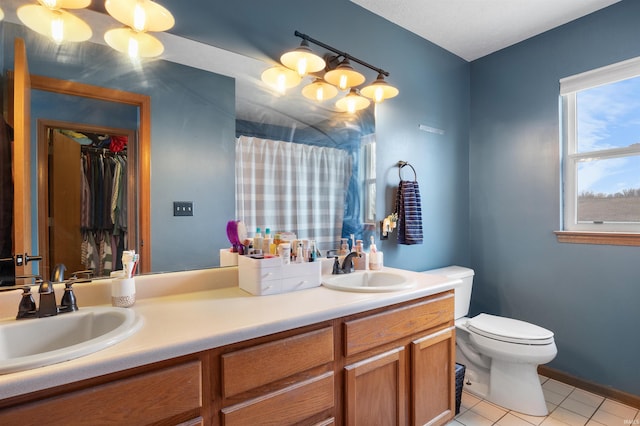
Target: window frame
[(595, 233)]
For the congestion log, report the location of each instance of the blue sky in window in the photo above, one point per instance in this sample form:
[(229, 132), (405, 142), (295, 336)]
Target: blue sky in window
[(609, 117)]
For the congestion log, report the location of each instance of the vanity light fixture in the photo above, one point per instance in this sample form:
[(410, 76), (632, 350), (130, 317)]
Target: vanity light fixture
[(319, 90), (50, 19), (134, 43), (281, 78), (352, 102), (140, 18), (379, 90), (344, 76), (1, 14), (302, 61)]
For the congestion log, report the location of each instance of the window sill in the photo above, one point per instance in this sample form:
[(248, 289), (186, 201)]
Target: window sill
[(609, 238)]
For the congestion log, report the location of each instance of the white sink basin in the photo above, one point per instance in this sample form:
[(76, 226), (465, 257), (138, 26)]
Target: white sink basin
[(368, 281), (31, 343)]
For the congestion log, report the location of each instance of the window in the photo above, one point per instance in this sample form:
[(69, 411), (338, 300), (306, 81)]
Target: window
[(601, 149)]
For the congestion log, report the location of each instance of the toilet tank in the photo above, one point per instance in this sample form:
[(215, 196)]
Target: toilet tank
[(463, 292)]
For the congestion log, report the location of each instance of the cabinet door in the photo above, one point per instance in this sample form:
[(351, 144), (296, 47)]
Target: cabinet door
[(433, 378), (375, 390)]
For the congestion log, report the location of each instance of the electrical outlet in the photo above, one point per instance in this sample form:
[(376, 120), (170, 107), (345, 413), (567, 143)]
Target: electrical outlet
[(183, 208)]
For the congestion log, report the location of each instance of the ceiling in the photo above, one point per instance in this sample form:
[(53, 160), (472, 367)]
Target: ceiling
[(472, 29)]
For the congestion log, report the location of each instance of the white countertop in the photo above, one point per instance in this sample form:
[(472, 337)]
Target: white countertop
[(184, 323)]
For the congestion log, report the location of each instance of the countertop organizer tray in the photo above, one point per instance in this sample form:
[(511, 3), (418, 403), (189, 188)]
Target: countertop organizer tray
[(271, 276)]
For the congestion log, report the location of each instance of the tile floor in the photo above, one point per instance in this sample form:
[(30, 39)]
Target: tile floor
[(567, 406)]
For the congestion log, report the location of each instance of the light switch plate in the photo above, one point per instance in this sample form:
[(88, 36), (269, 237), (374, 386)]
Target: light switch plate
[(183, 208)]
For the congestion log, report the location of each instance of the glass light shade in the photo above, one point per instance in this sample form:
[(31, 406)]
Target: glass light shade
[(281, 78), (58, 25), (319, 90), (134, 43), (1, 14), (379, 90), (65, 4), (141, 15), (344, 76), (303, 60), (352, 102)]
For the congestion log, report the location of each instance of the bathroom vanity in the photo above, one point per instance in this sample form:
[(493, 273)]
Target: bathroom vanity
[(220, 356)]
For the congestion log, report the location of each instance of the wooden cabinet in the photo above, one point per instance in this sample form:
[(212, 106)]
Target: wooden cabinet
[(375, 390), (433, 372), (170, 395), (390, 366), (286, 381), (400, 365)]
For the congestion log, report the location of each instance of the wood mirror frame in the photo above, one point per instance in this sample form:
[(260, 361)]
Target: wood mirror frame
[(143, 103)]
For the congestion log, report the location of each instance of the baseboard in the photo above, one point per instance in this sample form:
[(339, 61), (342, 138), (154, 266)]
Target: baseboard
[(607, 392)]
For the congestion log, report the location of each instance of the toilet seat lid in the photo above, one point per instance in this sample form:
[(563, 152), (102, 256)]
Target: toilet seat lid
[(509, 330)]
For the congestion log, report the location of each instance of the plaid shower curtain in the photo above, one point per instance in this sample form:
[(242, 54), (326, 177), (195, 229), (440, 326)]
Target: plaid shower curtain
[(294, 187)]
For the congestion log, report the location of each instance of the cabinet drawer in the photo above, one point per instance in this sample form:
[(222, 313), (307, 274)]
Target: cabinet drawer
[(263, 364), (288, 406), (386, 327), (143, 399)]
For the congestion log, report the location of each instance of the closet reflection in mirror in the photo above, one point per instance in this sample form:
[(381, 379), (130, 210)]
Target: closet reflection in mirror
[(196, 116), (88, 197)]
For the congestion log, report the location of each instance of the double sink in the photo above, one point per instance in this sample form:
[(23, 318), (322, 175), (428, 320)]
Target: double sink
[(38, 342)]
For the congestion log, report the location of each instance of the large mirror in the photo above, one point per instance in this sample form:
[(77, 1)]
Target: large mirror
[(201, 103)]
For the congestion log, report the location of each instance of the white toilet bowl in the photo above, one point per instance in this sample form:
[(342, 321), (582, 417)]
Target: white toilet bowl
[(501, 355), (503, 368)]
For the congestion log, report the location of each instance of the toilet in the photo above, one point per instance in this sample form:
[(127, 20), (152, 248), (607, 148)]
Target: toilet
[(501, 355)]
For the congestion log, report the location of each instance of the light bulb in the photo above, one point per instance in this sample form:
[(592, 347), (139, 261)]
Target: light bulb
[(133, 48), (51, 4), (378, 95), (281, 85), (319, 93), (351, 106), (57, 29), (139, 17), (343, 82), (302, 66)]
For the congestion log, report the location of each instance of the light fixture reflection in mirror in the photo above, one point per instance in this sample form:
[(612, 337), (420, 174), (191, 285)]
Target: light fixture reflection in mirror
[(133, 43), (281, 78), (141, 15), (57, 24), (319, 90), (352, 102)]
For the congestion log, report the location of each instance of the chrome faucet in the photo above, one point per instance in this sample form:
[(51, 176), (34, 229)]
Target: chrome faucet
[(347, 264)]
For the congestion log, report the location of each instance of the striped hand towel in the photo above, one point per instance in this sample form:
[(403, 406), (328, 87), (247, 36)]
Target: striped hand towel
[(409, 213)]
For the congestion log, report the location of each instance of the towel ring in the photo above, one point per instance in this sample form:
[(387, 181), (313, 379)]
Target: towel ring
[(401, 164)]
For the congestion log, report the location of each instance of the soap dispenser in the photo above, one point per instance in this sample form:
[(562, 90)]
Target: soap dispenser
[(361, 262)]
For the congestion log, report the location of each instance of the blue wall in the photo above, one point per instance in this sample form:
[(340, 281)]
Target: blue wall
[(587, 294)]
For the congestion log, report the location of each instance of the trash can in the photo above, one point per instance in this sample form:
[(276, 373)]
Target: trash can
[(460, 369)]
